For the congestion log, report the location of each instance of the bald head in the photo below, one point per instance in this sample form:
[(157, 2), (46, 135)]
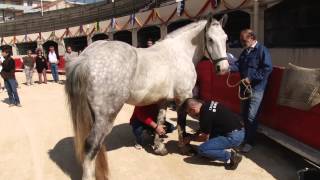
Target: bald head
[(247, 38)]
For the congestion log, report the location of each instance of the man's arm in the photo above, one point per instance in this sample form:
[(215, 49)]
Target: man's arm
[(234, 66)]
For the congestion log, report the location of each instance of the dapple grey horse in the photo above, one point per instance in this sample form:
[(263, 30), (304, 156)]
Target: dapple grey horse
[(109, 74)]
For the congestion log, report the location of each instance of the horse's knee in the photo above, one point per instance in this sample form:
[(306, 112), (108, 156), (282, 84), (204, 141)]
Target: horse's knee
[(90, 148)]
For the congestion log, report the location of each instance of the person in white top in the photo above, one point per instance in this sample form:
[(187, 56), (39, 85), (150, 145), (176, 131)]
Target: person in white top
[(54, 61)]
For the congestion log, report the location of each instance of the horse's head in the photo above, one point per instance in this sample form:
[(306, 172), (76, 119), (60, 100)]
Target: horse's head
[(215, 43)]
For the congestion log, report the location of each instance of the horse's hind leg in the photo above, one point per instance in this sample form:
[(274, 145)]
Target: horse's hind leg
[(159, 147), (93, 167)]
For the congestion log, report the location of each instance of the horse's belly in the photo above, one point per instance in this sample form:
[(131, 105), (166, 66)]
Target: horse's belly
[(147, 97)]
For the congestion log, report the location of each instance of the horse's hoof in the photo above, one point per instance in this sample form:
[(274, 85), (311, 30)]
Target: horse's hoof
[(161, 150), (187, 150)]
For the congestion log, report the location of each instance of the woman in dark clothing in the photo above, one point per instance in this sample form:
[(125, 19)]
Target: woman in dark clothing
[(41, 66), (7, 73)]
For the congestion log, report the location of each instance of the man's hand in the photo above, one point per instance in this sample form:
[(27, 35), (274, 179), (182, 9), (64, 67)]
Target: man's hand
[(200, 137), (160, 129), (247, 81)]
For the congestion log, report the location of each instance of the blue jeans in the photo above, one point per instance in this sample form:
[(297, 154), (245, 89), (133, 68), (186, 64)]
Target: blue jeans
[(249, 111), (54, 71), (215, 148), (11, 86)]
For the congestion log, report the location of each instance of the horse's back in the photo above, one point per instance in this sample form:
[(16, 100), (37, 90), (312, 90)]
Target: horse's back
[(111, 65)]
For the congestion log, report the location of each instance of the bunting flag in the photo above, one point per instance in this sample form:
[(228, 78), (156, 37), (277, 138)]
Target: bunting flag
[(97, 26), (81, 29), (25, 38), (215, 3), (113, 23), (180, 7), (132, 19)]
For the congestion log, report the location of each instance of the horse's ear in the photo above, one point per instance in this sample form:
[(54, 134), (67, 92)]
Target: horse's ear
[(223, 20), (209, 20)]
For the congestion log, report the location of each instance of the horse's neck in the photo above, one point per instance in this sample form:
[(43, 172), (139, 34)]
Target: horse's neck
[(189, 45)]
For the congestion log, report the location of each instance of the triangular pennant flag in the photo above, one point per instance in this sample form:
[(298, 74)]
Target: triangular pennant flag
[(113, 23), (132, 19), (25, 38), (97, 26), (180, 7)]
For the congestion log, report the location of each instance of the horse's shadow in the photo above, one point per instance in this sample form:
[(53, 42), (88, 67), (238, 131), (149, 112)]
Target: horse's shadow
[(63, 155)]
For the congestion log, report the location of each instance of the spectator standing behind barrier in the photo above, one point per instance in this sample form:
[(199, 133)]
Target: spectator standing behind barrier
[(69, 55), (255, 66), (54, 61), (1, 61), (41, 66), (8, 75), (28, 63)]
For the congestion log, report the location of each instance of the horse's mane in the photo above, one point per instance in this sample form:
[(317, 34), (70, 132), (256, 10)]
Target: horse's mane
[(184, 29)]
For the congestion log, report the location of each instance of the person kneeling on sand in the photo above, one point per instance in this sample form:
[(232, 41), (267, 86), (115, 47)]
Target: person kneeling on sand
[(144, 124), (220, 129)]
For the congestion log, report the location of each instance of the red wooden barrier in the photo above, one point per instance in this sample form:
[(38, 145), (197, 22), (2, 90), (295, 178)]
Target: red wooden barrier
[(298, 124)]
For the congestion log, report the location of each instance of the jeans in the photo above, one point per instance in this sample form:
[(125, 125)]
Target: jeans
[(54, 71), (11, 87), (249, 111), (215, 148), (29, 72)]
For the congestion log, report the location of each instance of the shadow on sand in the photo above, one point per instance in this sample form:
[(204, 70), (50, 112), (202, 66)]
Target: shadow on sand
[(63, 155), (267, 154)]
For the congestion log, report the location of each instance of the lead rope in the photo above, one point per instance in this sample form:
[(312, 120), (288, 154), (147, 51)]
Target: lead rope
[(248, 88)]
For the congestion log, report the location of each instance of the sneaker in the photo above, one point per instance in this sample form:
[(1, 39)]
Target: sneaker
[(246, 148), (235, 159), (19, 105), (137, 146)]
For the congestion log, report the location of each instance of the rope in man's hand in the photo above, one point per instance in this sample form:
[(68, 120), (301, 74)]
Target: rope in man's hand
[(247, 88)]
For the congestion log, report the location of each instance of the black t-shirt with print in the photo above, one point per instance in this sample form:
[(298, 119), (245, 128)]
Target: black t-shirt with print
[(217, 120)]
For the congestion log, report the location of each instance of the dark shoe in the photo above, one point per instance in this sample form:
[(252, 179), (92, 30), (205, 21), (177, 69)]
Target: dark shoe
[(235, 159), (19, 105)]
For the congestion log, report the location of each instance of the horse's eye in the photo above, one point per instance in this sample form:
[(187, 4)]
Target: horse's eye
[(210, 40)]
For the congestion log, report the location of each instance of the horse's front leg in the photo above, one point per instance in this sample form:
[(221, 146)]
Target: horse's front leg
[(185, 149), (159, 147)]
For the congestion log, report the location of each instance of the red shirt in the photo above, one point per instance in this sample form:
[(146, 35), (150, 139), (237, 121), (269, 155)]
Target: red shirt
[(145, 114)]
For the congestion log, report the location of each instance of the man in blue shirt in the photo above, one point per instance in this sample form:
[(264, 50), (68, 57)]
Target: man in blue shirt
[(254, 66)]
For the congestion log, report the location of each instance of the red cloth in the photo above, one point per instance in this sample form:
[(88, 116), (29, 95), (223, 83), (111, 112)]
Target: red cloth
[(145, 114)]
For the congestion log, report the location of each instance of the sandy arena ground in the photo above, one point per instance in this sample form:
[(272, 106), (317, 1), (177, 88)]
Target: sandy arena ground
[(36, 143)]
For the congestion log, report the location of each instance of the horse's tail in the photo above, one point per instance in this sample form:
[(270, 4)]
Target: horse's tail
[(81, 113)]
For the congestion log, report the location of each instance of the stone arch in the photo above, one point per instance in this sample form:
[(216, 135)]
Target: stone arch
[(22, 48), (99, 36), (124, 36), (146, 33), (77, 44)]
